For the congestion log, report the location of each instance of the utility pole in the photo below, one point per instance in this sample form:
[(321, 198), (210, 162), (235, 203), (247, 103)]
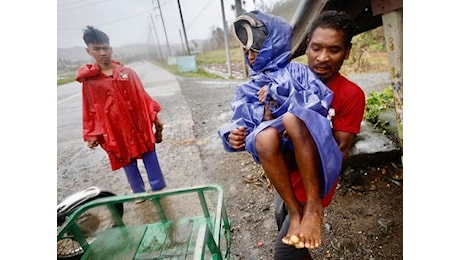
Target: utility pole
[(164, 28), (156, 36), (239, 11), (181, 42), (229, 66), (183, 28)]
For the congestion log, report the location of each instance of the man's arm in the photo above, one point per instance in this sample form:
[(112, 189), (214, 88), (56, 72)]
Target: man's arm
[(345, 141)]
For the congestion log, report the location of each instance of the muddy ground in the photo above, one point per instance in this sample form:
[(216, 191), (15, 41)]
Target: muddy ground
[(364, 221)]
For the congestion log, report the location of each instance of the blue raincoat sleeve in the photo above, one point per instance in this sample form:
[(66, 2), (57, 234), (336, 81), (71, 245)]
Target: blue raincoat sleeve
[(248, 112)]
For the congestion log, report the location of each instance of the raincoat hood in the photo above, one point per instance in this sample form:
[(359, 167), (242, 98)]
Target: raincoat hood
[(276, 49)]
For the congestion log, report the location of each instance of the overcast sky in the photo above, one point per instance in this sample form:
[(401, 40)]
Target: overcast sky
[(128, 21)]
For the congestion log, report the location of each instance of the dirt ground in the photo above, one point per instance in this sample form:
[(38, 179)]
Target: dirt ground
[(364, 221)]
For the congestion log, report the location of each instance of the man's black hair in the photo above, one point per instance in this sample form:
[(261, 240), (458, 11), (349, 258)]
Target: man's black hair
[(93, 35), (338, 20)]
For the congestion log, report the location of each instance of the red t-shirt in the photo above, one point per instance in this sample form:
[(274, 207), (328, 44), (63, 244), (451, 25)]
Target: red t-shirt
[(349, 102)]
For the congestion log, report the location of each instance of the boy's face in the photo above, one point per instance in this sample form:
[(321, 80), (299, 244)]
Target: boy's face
[(101, 52), (326, 52), (252, 55)]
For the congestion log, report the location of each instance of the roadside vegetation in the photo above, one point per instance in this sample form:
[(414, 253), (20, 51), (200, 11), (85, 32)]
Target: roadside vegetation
[(368, 55), (65, 80)]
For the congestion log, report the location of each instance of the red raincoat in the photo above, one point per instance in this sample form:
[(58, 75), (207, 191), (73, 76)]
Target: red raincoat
[(118, 112)]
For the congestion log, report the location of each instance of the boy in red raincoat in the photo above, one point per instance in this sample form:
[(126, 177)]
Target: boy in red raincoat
[(119, 114)]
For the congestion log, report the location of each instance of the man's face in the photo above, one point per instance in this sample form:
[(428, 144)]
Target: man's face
[(101, 52), (326, 52)]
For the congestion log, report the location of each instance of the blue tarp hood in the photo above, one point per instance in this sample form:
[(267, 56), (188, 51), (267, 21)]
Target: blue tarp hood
[(276, 49)]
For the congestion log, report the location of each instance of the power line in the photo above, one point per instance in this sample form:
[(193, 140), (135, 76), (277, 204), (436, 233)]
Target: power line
[(112, 22), (80, 6), (201, 11)]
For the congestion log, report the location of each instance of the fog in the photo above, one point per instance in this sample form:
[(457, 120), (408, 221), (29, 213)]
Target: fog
[(129, 22)]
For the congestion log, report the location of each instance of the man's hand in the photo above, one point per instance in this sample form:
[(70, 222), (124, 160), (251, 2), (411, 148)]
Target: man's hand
[(92, 143), (237, 137)]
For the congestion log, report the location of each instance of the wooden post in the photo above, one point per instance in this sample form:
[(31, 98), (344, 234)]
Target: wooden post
[(239, 11), (224, 21), (393, 27)]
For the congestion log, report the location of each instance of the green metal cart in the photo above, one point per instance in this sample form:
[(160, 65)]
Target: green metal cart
[(185, 223)]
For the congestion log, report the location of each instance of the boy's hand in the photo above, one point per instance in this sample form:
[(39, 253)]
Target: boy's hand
[(262, 94), (92, 143), (158, 130), (237, 137)]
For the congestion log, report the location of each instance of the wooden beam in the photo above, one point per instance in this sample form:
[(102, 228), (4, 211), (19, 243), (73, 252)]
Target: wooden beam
[(306, 11), (385, 6), (393, 28)]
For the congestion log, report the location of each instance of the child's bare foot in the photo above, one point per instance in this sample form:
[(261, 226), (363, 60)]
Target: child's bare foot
[(291, 238), (310, 230), (306, 231)]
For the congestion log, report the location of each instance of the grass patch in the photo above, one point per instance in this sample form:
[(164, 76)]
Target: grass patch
[(65, 80), (219, 56), (174, 69)]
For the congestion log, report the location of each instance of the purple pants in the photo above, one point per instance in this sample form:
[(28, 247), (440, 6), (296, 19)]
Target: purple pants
[(154, 173)]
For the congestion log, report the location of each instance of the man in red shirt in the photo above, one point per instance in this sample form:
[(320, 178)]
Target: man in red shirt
[(119, 114), (329, 44)]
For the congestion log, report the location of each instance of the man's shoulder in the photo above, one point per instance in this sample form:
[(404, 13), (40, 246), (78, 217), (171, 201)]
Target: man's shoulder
[(349, 85), (346, 80)]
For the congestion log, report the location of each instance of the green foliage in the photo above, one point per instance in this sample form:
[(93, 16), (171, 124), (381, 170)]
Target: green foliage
[(373, 40), (199, 74), (65, 80), (376, 102)]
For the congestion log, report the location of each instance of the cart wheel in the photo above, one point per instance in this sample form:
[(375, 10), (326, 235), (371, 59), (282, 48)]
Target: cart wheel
[(90, 222)]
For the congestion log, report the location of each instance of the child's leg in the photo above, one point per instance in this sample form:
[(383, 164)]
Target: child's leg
[(134, 177), (153, 169)]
